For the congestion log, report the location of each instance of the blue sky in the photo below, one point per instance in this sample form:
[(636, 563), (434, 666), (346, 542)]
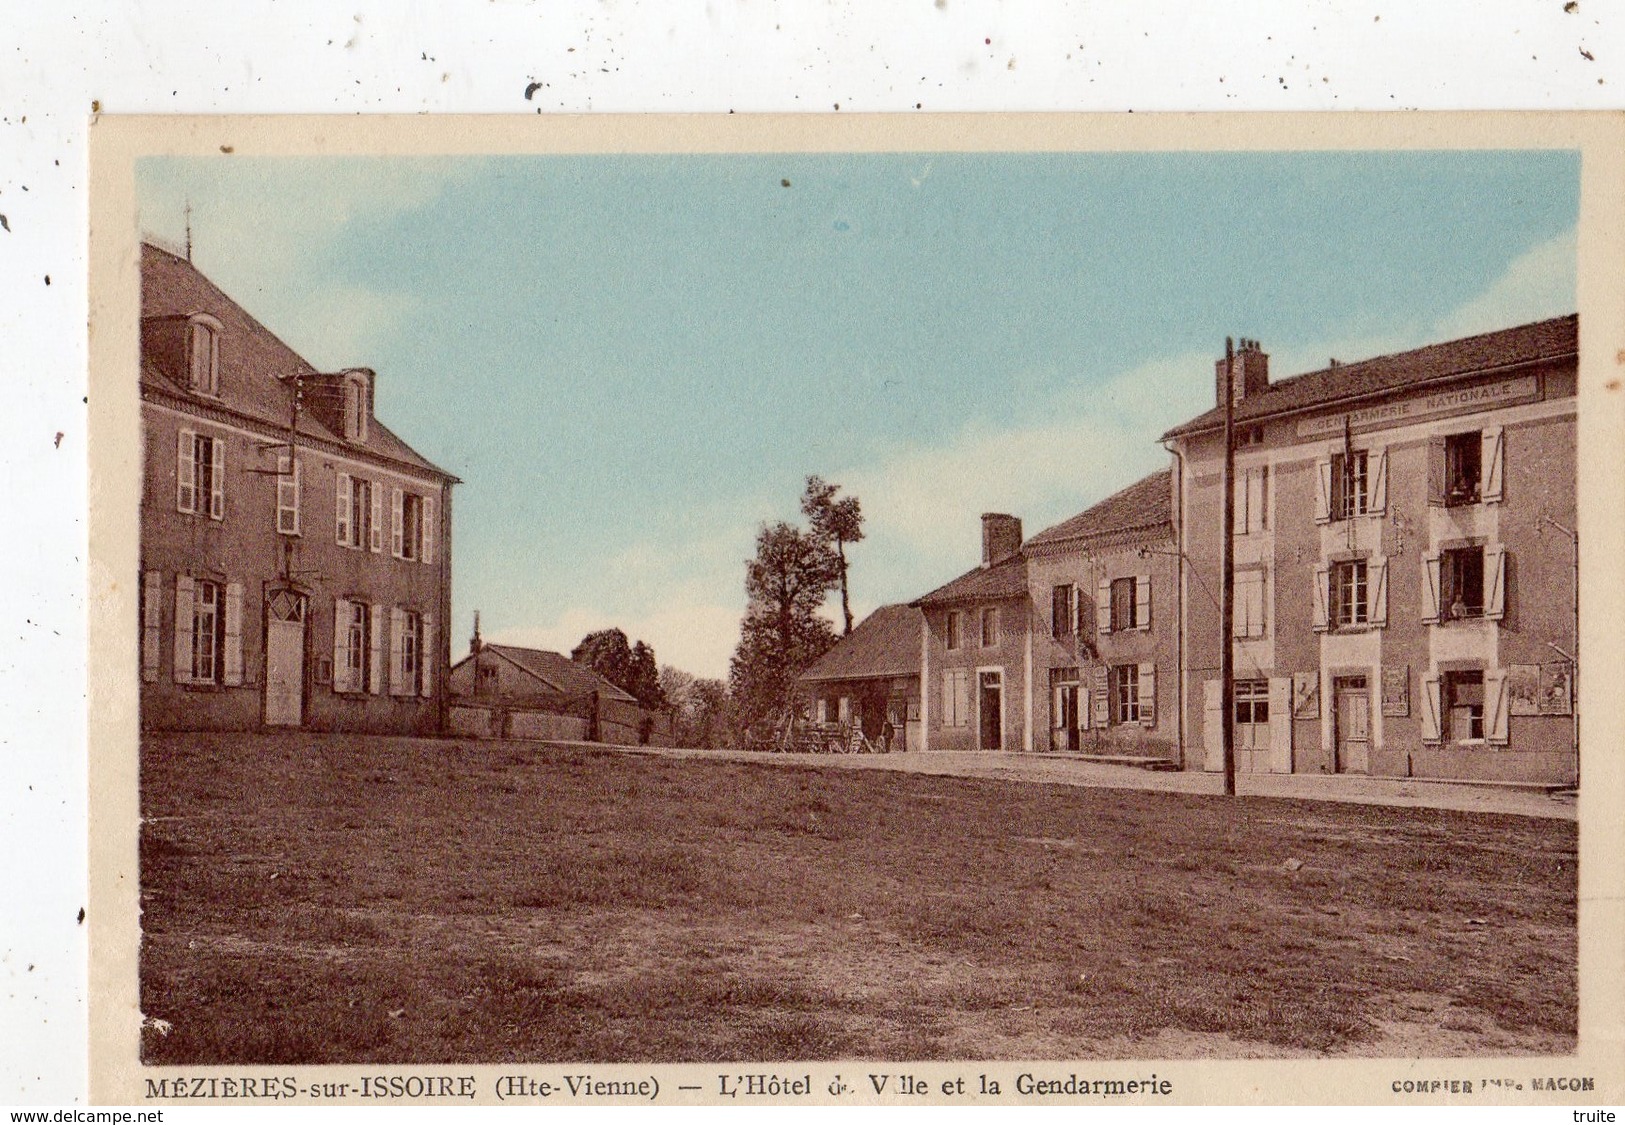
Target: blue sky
[(634, 361)]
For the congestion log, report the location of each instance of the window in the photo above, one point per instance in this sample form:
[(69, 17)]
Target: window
[(1461, 583), (208, 631), (203, 357), (412, 526), (1063, 610), (355, 408), (200, 475), (952, 630), (1252, 704), (356, 508), (1350, 480), (956, 697), (1123, 604), (207, 620), (1125, 693), (1250, 603), (1463, 700), (990, 627), (1252, 497), (287, 494), (411, 648), (357, 634), (1463, 463), (1349, 593)]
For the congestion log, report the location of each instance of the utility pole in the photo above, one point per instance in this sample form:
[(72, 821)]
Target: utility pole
[(1227, 576)]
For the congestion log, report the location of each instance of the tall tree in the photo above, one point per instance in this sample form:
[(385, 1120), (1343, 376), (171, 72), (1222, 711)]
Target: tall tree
[(786, 583), (699, 706), (629, 667), (838, 521)]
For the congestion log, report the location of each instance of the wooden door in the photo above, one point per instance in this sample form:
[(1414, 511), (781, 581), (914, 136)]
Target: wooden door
[(991, 698), (1352, 719), (284, 660)]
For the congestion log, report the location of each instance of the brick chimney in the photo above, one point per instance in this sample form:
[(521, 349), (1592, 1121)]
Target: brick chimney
[(1252, 372), (1001, 537)]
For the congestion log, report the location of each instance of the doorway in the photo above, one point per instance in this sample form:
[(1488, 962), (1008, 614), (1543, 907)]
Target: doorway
[(1351, 721), (990, 696), (284, 658), (1066, 737)]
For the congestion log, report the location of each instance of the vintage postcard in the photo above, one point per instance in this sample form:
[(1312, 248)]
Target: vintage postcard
[(852, 610)]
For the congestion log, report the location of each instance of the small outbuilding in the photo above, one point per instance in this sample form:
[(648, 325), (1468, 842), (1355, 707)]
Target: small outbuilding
[(871, 678), (504, 691)]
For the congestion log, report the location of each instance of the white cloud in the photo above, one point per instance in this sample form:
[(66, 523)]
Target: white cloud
[(1539, 283)]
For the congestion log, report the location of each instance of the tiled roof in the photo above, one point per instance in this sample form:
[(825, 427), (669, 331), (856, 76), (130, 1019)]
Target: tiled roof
[(256, 368), (1007, 579), (1146, 503), (1543, 340), (560, 672), (886, 643)]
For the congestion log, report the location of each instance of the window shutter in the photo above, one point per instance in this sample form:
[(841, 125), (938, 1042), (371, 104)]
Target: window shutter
[(964, 697), (375, 652), (217, 482), (343, 678), (1103, 606), (1436, 460), (1239, 487), (152, 605), (427, 661), (949, 696), (1085, 706), (1376, 591), (1323, 589), (1376, 481), (183, 628), (375, 531), (1430, 707), (397, 651), (430, 530), (234, 633), (1281, 724), (1323, 494), (397, 522), (1495, 583), (1142, 602), (185, 472), (344, 515), (1213, 724), (1430, 588), (1148, 694), (1497, 704), (1102, 697), (1493, 462)]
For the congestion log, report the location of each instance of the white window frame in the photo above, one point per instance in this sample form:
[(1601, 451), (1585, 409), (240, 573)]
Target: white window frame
[(288, 488), (203, 355)]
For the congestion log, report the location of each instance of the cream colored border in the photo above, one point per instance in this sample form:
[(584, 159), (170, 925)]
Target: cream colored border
[(116, 1076)]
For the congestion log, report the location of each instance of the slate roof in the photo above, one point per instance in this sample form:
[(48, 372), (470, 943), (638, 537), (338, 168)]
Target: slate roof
[(256, 368), (1543, 340), (558, 672), (1146, 504), (886, 643), (1007, 579)]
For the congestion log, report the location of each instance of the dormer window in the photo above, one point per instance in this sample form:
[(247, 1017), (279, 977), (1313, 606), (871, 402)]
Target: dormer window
[(356, 408), (203, 355)]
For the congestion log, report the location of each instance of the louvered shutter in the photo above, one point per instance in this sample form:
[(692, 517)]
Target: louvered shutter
[(397, 652), (1323, 491), (1281, 724), (1495, 583), (1497, 707), (183, 628), (1102, 701), (1323, 587), (375, 529), (1103, 606), (427, 662), (1430, 588), (397, 522), (233, 672), (152, 606), (1148, 694), (1213, 724), (344, 514), (1430, 707), (430, 531), (343, 675), (185, 472), (1436, 471), (1238, 490), (375, 651), (1493, 465), (1376, 501), (964, 697), (217, 481), (1376, 591), (1142, 602), (1086, 707)]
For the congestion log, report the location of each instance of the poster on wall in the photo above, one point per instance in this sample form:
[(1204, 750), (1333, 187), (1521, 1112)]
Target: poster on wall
[(1306, 695), (1556, 691), (1523, 680), (1396, 691)]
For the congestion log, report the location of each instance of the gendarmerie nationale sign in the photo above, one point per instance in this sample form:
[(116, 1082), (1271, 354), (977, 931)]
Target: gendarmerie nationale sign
[(1393, 413)]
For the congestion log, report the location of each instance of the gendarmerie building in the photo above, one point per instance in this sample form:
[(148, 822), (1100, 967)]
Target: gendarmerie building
[(295, 553), (1405, 562)]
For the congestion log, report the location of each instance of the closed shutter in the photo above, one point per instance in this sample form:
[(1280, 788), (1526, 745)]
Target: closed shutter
[(1238, 490), (1323, 491), (1323, 587), (1497, 707), (1430, 707), (1103, 606), (234, 633), (1280, 724), (427, 661), (430, 530), (344, 515), (1085, 705), (1102, 697), (1436, 468), (397, 522), (1376, 591), (217, 482), (375, 652), (1148, 694), (397, 652), (1493, 462), (1213, 724), (1430, 588), (963, 702), (343, 677), (1495, 583), (185, 472), (1376, 497), (375, 529), (152, 606), (1142, 602), (183, 628)]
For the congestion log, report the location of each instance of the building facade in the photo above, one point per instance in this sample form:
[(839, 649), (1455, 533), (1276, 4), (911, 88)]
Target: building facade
[(871, 678), (295, 553), (505, 691), (1406, 579)]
